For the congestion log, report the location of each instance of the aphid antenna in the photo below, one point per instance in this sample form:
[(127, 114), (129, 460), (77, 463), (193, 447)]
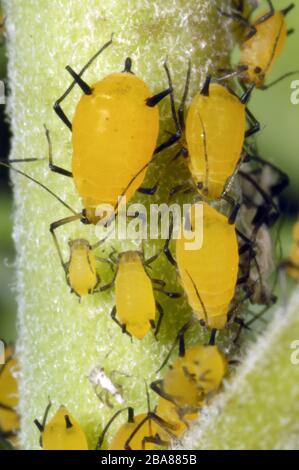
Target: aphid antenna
[(281, 78), (7, 165)]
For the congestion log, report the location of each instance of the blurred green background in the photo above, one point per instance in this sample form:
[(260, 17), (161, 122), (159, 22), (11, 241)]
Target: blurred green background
[(278, 141)]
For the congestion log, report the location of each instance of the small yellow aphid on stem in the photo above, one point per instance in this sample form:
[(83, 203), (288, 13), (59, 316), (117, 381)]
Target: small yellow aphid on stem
[(62, 432)]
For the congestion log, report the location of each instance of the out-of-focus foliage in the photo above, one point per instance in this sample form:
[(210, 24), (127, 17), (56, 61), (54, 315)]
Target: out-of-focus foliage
[(7, 303), (279, 138)]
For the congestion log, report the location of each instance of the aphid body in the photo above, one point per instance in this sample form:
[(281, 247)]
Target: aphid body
[(135, 301), (81, 268), (62, 432), (9, 420), (259, 52), (114, 137), (215, 131), (137, 442), (209, 274)]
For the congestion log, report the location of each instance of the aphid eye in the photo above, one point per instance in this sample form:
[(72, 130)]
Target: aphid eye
[(257, 69)]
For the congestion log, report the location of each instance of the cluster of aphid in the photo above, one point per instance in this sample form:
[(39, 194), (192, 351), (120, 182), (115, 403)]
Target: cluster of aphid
[(224, 172)]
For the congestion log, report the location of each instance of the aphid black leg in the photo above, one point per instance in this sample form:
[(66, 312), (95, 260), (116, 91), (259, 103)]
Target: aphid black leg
[(154, 440), (170, 295), (178, 131), (53, 227), (199, 298), (157, 387), (87, 90), (107, 286), (172, 102), (166, 249), (154, 100), (213, 337), (243, 279), (268, 199), (57, 106), (123, 327), (41, 426), (181, 188), (20, 160), (159, 282), (181, 109), (150, 416), (168, 143), (149, 191), (61, 114), (161, 314), (284, 179), (248, 244), (179, 338), (55, 168), (247, 94), (106, 261), (235, 207), (182, 348), (242, 21), (255, 124), (105, 430), (268, 15), (151, 260)]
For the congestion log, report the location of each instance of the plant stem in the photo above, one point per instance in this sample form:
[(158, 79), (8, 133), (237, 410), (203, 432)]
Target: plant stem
[(60, 339)]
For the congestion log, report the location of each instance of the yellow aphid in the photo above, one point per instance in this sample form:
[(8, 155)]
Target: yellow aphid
[(192, 379), (213, 159), (136, 306), (194, 375), (81, 269), (114, 133), (9, 397), (209, 274), (212, 136), (259, 52), (135, 301), (114, 137), (62, 432), (189, 381), (138, 442)]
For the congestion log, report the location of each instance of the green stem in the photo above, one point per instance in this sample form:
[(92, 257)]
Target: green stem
[(60, 339)]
